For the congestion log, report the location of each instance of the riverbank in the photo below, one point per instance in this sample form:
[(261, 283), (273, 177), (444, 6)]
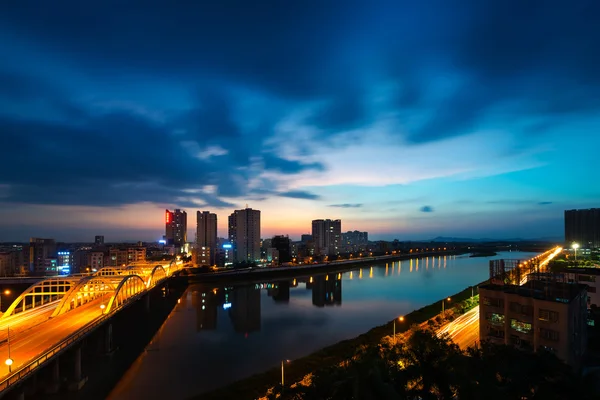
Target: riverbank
[(262, 274), (484, 254), (257, 385)]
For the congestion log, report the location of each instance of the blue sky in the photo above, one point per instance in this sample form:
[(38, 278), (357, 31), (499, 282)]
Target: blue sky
[(406, 119)]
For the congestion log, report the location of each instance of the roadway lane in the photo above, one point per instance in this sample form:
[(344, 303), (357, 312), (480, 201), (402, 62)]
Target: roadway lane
[(25, 320), (26, 346), (464, 330)]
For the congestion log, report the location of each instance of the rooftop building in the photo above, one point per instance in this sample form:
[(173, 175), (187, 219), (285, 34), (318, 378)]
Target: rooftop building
[(539, 314)]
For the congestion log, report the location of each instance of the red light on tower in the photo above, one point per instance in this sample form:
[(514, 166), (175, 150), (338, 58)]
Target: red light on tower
[(168, 217)]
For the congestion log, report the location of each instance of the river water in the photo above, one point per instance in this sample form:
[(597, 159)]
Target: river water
[(216, 335)]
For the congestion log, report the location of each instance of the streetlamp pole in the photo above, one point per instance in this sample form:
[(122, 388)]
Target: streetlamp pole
[(575, 247), (9, 361)]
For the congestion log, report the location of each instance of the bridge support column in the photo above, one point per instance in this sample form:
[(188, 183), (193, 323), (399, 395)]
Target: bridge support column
[(78, 379), (147, 302), (19, 394), (53, 384), (108, 340)]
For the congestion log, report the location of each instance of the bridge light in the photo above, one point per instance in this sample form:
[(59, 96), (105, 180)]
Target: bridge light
[(102, 306), (9, 361)]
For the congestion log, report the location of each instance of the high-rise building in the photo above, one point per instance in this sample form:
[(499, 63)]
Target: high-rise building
[(206, 233), (244, 235), (327, 235), (39, 251), (176, 227), (583, 227), (99, 240)]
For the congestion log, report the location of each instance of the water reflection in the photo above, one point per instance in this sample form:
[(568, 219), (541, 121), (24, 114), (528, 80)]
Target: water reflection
[(260, 323), (243, 303)]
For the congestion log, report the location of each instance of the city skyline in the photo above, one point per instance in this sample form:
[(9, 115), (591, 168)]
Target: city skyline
[(408, 121)]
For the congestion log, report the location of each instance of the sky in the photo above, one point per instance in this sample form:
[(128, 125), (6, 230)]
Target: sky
[(409, 120)]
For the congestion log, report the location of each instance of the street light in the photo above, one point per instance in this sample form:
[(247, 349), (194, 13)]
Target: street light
[(6, 292), (282, 373), (443, 301), (575, 247), (401, 319), (9, 361)]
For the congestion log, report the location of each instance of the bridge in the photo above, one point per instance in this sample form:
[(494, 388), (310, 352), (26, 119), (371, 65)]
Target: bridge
[(55, 313)]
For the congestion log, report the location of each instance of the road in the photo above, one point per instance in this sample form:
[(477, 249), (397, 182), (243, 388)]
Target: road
[(464, 330), (30, 343)]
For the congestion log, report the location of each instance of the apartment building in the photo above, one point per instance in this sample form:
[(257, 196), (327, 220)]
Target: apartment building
[(539, 314)]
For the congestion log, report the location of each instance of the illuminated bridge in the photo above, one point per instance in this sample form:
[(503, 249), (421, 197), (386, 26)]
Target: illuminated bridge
[(54, 314)]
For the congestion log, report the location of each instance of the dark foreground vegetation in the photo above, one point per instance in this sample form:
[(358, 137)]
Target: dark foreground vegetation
[(424, 366)]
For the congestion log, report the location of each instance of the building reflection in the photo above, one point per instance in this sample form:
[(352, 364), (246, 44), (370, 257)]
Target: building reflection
[(245, 309), (281, 293), (327, 290)]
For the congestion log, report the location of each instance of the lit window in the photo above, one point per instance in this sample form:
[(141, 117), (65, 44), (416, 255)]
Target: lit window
[(520, 326)]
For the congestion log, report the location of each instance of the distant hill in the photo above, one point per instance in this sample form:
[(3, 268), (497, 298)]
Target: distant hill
[(486, 240)]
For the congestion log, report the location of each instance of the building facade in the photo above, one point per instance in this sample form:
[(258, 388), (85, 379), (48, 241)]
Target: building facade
[(99, 240), (355, 240), (539, 314), (327, 236), (203, 256), (206, 234), (95, 261), (39, 251), (176, 227), (124, 257), (583, 227), (283, 244), (7, 266), (244, 235)]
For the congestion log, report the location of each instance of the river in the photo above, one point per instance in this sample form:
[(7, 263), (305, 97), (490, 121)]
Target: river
[(216, 335)]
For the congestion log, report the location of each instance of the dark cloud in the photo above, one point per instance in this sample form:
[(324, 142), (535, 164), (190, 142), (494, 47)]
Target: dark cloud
[(544, 203), (115, 158), (300, 194), (538, 58), (275, 163), (346, 205), (426, 209)]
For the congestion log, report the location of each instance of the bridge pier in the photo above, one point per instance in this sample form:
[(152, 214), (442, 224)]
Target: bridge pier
[(18, 394), (30, 387), (108, 339), (54, 383), (78, 379), (147, 302)]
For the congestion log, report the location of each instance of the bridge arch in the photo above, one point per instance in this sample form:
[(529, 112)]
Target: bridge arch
[(129, 288), (42, 292), (158, 274), (109, 271), (86, 290)]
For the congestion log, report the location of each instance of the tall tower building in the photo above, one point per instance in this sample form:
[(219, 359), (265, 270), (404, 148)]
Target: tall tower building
[(327, 235), (176, 227), (583, 227), (206, 233), (244, 235)]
